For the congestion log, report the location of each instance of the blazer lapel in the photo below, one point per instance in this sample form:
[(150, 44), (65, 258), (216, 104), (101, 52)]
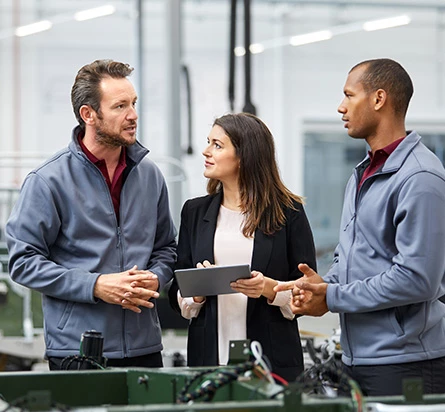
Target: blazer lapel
[(208, 228), (262, 249)]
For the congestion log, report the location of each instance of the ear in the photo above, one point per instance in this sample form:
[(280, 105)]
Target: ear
[(87, 114), (380, 98)]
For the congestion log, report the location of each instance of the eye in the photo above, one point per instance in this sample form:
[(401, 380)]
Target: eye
[(217, 146)]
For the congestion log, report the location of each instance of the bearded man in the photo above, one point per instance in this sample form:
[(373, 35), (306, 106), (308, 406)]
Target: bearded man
[(92, 230)]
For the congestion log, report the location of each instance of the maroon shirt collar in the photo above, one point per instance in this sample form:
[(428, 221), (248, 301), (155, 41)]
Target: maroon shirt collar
[(114, 186), (378, 159)]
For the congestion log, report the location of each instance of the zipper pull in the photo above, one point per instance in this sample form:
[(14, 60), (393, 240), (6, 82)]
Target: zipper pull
[(118, 237), (347, 225)]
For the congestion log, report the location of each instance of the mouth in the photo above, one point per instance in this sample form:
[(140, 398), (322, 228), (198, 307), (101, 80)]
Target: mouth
[(131, 129), (208, 164)]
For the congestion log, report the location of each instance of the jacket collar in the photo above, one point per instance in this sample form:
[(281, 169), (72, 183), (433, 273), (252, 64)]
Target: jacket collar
[(402, 151), (212, 212), (396, 159)]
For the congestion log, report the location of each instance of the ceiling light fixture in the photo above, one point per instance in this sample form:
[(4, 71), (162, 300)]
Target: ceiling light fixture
[(94, 13), (386, 23), (33, 28), (322, 35), (310, 37)]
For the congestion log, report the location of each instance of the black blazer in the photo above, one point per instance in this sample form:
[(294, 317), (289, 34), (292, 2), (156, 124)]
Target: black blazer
[(275, 256)]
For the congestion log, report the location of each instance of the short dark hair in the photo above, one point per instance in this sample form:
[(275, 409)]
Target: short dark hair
[(390, 76), (86, 90), (263, 194)]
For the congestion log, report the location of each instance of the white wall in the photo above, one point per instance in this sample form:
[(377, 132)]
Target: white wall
[(290, 84)]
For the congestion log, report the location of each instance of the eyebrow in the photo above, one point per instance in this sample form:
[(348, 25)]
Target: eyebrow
[(120, 101)]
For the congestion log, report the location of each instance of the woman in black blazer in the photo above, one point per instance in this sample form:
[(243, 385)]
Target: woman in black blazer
[(249, 216)]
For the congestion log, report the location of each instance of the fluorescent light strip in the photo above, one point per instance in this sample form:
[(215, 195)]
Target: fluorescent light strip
[(94, 13), (310, 37), (386, 23), (317, 36), (33, 28), (256, 48)]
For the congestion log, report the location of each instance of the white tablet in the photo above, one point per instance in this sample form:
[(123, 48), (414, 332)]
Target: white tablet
[(214, 280)]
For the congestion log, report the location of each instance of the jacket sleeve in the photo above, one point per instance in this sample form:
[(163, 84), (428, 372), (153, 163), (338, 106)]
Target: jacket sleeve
[(163, 256), (418, 266), (301, 247), (32, 228), (332, 275), (184, 259)]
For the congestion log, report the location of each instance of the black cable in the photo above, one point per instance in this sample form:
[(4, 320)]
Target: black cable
[(232, 53), (80, 360), (185, 72), (248, 105), (310, 347), (224, 376), (317, 378)]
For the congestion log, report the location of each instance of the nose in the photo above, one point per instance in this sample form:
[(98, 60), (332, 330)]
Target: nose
[(206, 152), (342, 108), (132, 113)]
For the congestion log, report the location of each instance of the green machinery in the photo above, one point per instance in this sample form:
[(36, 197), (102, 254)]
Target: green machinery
[(144, 389)]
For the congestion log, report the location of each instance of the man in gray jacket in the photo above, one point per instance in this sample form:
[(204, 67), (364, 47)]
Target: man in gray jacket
[(92, 229), (389, 266)]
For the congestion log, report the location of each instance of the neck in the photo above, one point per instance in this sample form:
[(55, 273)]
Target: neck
[(386, 134), (111, 155), (231, 197)]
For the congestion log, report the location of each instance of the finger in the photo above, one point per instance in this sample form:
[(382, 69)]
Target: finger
[(306, 270), (141, 272), (284, 286), (126, 304), (140, 293), (136, 302), (133, 269), (207, 264), (301, 284), (251, 282), (236, 285), (148, 284), (199, 265), (143, 277)]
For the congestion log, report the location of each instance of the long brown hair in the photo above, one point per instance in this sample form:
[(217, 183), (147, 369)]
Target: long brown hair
[(264, 197)]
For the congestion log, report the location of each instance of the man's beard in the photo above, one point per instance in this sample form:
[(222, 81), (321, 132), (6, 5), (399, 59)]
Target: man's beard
[(111, 140)]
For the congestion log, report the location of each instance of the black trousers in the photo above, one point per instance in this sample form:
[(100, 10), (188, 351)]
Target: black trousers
[(387, 380), (152, 360)]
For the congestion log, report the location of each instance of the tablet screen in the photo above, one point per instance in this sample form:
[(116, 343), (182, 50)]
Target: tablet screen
[(214, 280)]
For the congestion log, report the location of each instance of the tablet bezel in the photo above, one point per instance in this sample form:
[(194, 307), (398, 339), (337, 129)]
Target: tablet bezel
[(210, 281)]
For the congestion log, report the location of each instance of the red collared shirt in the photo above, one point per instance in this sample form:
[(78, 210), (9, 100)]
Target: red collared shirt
[(114, 186), (378, 159)]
